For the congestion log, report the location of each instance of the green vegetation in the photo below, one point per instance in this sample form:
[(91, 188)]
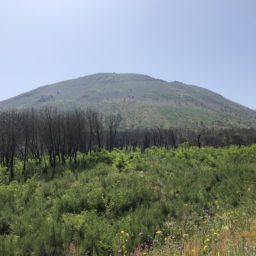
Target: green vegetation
[(187, 201), (141, 100)]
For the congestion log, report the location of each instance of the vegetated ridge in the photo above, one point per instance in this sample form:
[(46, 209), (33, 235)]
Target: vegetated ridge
[(141, 100)]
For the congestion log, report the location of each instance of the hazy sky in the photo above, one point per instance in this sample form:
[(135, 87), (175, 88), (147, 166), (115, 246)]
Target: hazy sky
[(210, 43)]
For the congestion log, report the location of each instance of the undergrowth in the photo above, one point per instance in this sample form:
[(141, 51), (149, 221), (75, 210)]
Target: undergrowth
[(187, 201)]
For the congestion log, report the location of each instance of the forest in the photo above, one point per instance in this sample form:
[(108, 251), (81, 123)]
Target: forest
[(60, 136), (76, 183)]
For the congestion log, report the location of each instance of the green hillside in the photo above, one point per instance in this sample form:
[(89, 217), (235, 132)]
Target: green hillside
[(141, 100)]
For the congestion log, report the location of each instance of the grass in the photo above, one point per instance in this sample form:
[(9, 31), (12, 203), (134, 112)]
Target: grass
[(187, 201), (227, 241)]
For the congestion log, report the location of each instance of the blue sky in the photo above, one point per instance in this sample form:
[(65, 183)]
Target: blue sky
[(210, 43)]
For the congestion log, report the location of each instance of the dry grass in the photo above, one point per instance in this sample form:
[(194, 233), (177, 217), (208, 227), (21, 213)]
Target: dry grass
[(228, 242)]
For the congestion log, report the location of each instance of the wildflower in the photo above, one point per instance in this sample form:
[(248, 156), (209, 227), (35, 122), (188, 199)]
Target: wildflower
[(158, 232), (185, 236), (124, 233), (207, 240), (205, 248)]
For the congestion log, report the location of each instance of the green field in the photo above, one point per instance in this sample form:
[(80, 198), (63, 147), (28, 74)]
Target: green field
[(187, 201)]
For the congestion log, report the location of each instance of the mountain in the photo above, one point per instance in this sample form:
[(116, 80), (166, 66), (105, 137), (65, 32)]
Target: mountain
[(142, 101)]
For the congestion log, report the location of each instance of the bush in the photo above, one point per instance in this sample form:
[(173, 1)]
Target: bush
[(111, 203)]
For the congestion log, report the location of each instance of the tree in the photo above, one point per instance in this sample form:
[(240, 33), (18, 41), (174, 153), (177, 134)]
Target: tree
[(112, 125)]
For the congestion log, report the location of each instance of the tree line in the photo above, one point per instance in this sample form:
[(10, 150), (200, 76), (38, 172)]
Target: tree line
[(34, 134)]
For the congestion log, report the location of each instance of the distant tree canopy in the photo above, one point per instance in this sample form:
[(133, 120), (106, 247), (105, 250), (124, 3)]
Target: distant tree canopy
[(34, 134)]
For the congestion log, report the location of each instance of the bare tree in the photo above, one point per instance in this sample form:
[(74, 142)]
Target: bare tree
[(112, 124)]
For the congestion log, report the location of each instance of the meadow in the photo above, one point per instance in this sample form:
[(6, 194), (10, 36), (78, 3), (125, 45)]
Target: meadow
[(183, 201)]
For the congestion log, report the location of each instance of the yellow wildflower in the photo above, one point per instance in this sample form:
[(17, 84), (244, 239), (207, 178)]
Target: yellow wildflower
[(159, 232), (207, 240)]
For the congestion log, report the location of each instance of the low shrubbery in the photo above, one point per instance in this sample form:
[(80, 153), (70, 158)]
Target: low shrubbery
[(184, 201)]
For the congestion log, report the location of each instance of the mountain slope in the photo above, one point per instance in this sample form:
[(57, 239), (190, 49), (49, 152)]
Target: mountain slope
[(141, 100)]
